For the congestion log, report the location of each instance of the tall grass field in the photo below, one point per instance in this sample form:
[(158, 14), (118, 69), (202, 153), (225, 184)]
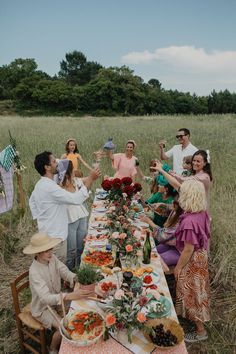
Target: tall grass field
[(216, 133)]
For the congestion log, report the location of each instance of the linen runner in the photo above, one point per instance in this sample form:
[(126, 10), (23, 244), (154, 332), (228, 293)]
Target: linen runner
[(119, 344)]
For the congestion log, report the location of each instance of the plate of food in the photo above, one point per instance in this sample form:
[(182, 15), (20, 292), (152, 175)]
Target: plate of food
[(158, 308), (165, 333), (99, 258), (106, 287), (84, 328), (101, 195), (100, 209), (150, 281), (98, 225), (140, 223)]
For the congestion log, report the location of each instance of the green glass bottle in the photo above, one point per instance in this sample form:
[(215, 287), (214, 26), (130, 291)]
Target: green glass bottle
[(147, 249), (117, 262)]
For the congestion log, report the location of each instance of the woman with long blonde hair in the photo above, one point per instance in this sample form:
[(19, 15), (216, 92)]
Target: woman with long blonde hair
[(191, 271)]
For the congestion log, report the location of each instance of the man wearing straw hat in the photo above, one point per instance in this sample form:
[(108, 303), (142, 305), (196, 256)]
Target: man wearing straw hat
[(48, 200), (45, 274)]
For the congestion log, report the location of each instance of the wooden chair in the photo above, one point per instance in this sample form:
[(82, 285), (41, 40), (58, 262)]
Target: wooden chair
[(28, 327)]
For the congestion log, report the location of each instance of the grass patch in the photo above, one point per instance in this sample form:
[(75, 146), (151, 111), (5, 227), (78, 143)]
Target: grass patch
[(216, 133)]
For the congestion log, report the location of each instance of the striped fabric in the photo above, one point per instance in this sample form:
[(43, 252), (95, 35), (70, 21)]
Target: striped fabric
[(7, 157)]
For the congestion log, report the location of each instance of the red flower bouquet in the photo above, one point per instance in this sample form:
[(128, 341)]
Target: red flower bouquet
[(121, 189)]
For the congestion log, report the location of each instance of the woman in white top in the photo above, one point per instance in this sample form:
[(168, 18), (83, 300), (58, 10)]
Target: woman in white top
[(77, 215)]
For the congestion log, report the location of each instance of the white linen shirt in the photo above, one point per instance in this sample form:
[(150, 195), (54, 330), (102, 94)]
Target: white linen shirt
[(178, 153), (48, 203), (45, 284)]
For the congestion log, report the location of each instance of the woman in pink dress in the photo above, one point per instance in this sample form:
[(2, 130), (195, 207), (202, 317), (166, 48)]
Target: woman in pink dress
[(125, 163)]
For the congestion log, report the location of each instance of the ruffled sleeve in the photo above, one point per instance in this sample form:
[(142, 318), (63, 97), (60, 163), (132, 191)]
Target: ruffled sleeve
[(116, 161), (194, 229)]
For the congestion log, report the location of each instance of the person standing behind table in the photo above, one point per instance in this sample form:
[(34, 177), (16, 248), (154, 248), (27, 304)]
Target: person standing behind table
[(72, 154), (77, 214), (125, 163), (191, 272), (48, 200), (178, 152), (201, 171)]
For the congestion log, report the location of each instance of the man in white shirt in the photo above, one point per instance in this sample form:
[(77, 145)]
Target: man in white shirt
[(48, 200), (178, 152)]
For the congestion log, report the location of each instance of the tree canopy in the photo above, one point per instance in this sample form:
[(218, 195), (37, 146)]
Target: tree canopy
[(83, 86)]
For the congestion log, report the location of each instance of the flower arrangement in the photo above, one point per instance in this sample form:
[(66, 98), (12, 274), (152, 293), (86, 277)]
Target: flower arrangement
[(121, 189), (125, 240), (125, 312)]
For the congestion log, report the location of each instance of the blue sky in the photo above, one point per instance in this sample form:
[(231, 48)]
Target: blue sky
[(187, 45)]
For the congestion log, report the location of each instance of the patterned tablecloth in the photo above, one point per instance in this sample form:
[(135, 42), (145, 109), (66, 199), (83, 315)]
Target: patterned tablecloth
[(119, 344)]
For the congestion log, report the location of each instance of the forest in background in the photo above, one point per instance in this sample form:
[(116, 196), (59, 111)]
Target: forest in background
[(86, 87)]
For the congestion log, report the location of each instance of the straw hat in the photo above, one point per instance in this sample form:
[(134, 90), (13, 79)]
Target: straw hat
[(71, 139), (132, 142), (41, 242)]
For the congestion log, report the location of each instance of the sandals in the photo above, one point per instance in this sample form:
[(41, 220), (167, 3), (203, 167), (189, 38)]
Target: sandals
[(195, 337)]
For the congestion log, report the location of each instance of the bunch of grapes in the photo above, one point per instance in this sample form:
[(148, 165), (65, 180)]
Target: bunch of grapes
[(161, 337)]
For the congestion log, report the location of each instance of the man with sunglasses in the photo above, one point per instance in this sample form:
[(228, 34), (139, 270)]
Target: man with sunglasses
[(178, 152)]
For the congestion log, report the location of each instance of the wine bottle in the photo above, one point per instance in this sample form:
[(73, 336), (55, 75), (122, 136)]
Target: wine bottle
[(117, 262), (147, 249)]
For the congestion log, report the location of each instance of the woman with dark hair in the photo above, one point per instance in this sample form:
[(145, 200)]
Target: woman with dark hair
[(160, 202), (125, 163), (77, 214), (201, 171), (72, 154)]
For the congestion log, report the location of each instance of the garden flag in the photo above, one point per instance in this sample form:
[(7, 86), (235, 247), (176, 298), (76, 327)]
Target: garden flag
[(6, 198), (7, 157)]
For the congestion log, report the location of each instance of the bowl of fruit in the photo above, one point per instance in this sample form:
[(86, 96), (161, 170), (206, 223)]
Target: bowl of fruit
[(165, 333)]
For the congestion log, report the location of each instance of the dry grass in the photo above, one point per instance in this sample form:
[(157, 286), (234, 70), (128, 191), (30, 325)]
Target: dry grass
[(216, 133)]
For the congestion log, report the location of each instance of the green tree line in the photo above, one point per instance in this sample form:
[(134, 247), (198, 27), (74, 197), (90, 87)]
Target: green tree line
[(86, 87)]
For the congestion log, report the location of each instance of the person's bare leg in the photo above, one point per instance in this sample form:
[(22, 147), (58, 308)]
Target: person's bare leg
[(200, 329), (56, 338)]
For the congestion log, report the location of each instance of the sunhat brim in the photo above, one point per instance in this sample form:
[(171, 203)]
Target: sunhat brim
[(34, 249)]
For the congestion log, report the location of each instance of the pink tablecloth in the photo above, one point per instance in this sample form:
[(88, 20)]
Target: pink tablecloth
[(111, 346)]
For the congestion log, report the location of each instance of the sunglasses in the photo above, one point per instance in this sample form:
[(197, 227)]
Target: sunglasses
[(180, 136)]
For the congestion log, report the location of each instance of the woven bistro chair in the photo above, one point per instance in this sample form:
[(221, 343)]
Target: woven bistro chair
[(29, 329)]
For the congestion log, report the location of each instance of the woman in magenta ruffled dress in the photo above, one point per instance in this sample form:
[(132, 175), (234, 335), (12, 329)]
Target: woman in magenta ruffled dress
[(191, 271)]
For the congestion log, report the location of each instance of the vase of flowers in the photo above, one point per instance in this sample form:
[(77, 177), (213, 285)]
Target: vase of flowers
[(126, 243), (125, 313), (121, 189)]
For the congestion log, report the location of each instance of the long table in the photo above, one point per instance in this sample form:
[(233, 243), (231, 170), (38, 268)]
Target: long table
[(119, 344)]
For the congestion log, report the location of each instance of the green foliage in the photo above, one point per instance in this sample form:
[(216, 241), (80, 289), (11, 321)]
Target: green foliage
[(85, 87), (215, 132), (88, 274), (76, 70)]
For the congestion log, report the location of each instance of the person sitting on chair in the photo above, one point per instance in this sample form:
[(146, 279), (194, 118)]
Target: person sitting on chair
[(45, 275)]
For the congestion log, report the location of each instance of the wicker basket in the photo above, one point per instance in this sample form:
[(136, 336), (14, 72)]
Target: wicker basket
[(169, 324)]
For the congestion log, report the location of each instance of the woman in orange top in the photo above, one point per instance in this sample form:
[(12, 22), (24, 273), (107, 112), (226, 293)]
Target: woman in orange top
[(72, 154)]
